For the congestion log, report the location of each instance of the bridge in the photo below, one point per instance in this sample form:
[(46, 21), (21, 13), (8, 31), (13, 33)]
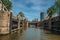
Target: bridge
[(33, 23)]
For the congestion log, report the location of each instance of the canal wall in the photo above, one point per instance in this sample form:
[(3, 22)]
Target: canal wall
[(4, 22)]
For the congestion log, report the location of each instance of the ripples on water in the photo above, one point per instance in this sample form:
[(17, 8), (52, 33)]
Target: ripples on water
[(30, 34)]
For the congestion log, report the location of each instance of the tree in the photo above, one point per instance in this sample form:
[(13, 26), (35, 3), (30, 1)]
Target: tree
[(57, 6), (21, 14), (54, 8), (51, 11), (7, 4), (57, 3)]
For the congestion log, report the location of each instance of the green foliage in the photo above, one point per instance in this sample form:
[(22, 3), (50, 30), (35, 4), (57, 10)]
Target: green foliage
[(7, 3), (51, 11), (59, 13), (57, 3), (54, 8), (21, 14)]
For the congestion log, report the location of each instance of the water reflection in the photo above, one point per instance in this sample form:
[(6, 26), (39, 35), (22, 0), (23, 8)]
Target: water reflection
[(30, 34)]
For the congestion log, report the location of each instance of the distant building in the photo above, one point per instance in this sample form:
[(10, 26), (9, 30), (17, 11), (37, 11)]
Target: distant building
[(41, 16), (35, 20)]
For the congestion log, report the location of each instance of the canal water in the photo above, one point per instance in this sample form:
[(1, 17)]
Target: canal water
[(31, 34)]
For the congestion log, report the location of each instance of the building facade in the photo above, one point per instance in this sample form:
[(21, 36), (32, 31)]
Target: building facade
[(8, 22)]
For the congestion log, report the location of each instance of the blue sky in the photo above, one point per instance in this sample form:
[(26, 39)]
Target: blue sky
[(31, 8)]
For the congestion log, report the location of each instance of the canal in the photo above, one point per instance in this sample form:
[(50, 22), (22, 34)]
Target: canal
[(31, 34)]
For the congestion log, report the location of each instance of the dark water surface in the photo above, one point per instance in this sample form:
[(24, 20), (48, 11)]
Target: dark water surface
[(31, 34)]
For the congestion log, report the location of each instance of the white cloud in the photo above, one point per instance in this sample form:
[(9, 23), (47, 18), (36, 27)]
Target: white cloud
[(34, 10)]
